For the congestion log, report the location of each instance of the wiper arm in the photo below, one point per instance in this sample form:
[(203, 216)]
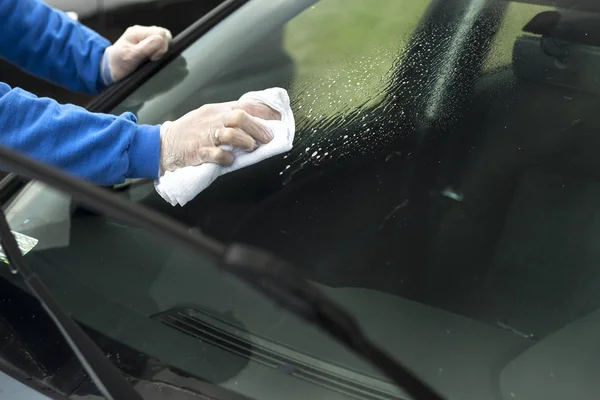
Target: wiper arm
[(105, 375), (259, 269)]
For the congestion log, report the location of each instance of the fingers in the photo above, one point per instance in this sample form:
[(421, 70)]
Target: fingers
[(160, 52), (149, 41), (137, 33), (235, 138), (136, 45), (153, 47), (214, 155), (199, 136), (258, 110), (241, 120)]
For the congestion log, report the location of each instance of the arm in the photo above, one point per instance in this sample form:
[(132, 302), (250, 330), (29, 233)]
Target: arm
[(101, 148), (51, 45), (106, 149)]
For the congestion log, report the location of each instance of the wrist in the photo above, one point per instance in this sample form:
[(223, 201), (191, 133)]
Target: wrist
[(167, 159), (105, 73)]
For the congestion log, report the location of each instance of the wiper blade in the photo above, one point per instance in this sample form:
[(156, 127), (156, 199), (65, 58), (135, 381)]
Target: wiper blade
[(259, 269), (105, 375)]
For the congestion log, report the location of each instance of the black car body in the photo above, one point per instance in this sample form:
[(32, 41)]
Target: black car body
[(443, 188)]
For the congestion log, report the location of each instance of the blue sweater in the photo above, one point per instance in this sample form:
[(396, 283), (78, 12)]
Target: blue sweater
[(102, 148)]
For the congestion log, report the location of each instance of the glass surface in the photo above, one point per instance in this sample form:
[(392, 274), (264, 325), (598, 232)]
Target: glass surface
[(443, 187)]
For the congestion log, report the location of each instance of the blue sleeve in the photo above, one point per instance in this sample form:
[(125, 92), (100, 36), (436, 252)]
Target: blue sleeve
[(48, 43), (102, 148)]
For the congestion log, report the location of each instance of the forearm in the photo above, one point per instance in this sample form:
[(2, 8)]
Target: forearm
[(101, 148), (49, 44)]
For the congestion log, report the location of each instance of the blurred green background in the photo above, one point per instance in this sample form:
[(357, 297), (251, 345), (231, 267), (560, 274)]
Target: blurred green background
[(344, 49)]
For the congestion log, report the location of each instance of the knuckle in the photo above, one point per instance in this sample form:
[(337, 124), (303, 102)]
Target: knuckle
[(226, 135), (238, 117)]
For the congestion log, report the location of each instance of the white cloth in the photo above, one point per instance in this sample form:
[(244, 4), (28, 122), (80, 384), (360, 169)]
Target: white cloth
[(182, 185)]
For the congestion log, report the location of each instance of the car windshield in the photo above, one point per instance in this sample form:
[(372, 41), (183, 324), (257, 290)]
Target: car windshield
[(443, 188)]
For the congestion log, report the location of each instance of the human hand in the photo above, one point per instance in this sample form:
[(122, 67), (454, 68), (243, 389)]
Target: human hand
[(136, 45), (197, 137)]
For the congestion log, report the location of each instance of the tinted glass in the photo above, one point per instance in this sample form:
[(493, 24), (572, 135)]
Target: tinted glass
[(443, 187)]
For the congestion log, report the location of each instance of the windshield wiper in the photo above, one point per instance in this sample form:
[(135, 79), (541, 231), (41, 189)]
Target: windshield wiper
[(105, 375), (257, 268)]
